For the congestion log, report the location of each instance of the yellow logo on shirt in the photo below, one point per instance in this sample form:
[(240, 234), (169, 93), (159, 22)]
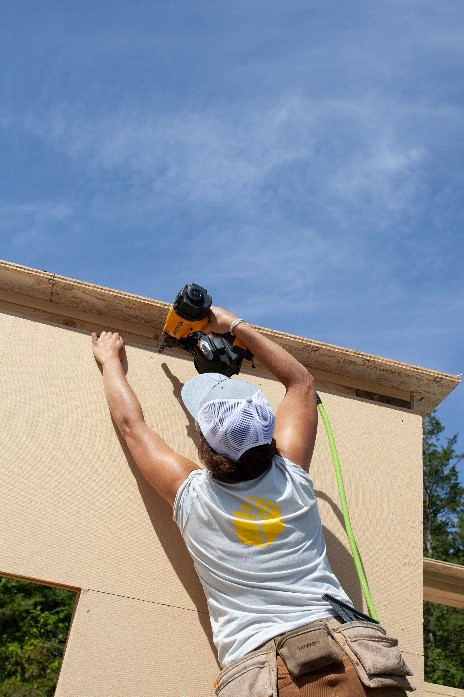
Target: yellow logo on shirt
[(258, 522)]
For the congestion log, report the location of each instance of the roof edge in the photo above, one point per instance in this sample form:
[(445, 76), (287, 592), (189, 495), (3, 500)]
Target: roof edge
[(61, 295)]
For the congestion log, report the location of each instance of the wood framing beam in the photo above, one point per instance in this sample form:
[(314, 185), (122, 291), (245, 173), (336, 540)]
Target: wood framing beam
[(431, 690), (444, 584)]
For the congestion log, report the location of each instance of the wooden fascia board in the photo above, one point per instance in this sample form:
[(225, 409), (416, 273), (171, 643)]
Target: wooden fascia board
[(422, 389), (444, 583)]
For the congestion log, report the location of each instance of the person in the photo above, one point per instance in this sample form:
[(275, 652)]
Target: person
[(249, 518)]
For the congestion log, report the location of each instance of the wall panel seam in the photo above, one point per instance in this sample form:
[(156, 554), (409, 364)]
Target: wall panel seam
[(8, 338), (146, 600)]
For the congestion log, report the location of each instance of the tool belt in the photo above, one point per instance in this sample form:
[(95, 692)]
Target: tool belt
[(375, 656)]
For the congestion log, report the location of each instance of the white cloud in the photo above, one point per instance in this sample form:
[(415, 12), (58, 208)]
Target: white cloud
[(198, 154), (226, 157), (31, 224), (385, 172), (251, 169)]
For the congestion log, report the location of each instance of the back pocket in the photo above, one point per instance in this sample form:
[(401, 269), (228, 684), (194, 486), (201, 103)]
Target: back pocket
[(307, 649)]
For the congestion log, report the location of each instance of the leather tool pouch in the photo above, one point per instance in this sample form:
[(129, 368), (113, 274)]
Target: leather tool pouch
[(307, 649), (375, 656), (254, 674)]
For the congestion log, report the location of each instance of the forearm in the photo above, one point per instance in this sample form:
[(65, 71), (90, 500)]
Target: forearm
[(123, 404), (163, 467), (276, 359)]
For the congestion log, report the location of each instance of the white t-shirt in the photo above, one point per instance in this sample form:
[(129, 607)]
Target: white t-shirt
[(258, 549)]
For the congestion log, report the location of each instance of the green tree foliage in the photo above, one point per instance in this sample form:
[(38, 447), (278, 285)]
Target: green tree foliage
[(443, 540), (443, 495), (444, 645), (34, 625)]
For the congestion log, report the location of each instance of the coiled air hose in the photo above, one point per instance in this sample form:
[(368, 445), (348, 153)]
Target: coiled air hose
[(346, 513)]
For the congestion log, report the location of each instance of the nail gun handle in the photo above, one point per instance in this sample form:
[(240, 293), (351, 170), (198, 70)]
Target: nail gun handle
[(239, 347), (239, 344)]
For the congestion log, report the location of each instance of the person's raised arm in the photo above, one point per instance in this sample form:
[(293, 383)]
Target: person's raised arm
[(161, 466), (296, 418)]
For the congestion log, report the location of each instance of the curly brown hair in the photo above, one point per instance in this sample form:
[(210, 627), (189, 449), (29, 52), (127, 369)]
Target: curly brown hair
[(251, 464)]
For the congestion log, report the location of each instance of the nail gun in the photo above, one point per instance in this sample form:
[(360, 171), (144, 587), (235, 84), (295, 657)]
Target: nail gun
[(183, 329)]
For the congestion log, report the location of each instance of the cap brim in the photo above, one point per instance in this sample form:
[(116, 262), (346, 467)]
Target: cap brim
[(208, 386)]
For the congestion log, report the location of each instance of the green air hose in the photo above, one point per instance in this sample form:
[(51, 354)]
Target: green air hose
[(346, 513)]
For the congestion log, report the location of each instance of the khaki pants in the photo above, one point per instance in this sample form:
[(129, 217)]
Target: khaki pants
[(336, 680)]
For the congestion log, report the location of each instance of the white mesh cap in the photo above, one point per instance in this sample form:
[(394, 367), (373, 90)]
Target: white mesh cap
[(233, 415)]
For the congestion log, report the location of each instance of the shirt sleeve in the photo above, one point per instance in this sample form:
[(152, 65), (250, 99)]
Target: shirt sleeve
[(301, 479), (183, 501), (298, 471)]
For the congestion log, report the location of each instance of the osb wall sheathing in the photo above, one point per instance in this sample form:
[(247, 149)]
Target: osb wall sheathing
[(76, 512)]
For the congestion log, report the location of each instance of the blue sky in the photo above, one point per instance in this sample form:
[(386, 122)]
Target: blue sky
[(302, 160)]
